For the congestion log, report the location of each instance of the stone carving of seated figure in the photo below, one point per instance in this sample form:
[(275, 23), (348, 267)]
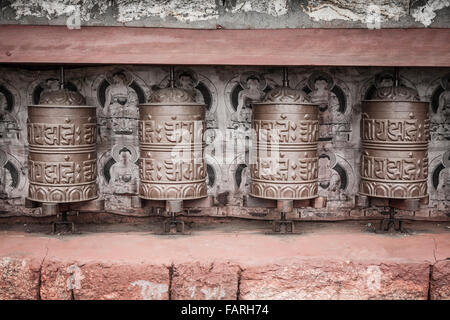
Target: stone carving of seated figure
[(9, 129), (443, 111), (252, 92), (121, 104), (124, 174), (321, 86), (5, 176), (188, 82), (330, 180)]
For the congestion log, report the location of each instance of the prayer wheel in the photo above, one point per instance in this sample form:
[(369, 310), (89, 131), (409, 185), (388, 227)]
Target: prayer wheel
[(284, 160), (172, 146), (62, 159), (394, 132)]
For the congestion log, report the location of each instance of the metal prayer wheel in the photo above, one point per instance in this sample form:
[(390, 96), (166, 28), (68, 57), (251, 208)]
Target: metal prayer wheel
[(172, 146), (62, 159), (284, 164), (394, 133)]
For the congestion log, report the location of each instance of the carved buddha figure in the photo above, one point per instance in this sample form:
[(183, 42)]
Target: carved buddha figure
[(444, 103), (121, 104), (187, 82), (5, 176), (252, 92), (244, 187), (327, 100), (329, 179), (124, 174), (386, 90), (9, 128)]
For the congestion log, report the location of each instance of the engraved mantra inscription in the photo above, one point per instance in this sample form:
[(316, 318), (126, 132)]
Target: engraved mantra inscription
[(285, 131), (286, 164), (394, 162), (171, 131), (62, 172), (395, 130), (172, 163), (62, 164), (285, 170), (61, 134), (407, 169), (152, 170)]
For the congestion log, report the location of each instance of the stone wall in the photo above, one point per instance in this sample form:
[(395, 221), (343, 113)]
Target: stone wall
[(215, 265), (230, 14), (339, 92)]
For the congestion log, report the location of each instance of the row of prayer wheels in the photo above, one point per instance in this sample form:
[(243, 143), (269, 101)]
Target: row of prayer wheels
[(62, 146)]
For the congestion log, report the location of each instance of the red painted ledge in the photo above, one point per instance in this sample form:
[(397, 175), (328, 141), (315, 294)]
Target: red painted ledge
[(290, 47)]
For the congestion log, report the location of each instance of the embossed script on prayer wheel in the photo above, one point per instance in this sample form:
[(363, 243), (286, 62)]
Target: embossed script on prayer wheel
[(171, 136), (284, 160), (62, 159), (394, 132)]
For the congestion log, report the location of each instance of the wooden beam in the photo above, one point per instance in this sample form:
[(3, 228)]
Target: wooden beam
[(290, 47)]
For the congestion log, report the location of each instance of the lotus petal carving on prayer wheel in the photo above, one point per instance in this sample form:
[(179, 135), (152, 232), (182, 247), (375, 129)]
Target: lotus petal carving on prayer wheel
[(62, 159), (172, 146), (284, 160), (394, 132)]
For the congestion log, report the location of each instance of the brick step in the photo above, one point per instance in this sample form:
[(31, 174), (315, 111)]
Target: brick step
[(320, 264)]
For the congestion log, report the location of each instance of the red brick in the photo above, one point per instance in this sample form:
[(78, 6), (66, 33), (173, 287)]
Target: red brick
[(19, 278), (197, 281), (100, 281), (440, 281), (335, 280)]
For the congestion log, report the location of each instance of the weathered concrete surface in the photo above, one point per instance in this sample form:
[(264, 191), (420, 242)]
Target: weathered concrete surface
[(440, 281), (230, 13), (338, 263)]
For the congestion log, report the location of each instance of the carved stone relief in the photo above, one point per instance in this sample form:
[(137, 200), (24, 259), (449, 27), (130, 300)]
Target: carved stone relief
[(334, 105), (119, 92), (10, 130), (124, 172), (339, 92)]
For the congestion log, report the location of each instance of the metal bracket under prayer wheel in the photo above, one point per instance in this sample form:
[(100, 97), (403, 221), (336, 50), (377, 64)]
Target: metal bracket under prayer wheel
[(283, 226), (57, 209), (172, 226), (63, 222), (61, 209), (390, 222)]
